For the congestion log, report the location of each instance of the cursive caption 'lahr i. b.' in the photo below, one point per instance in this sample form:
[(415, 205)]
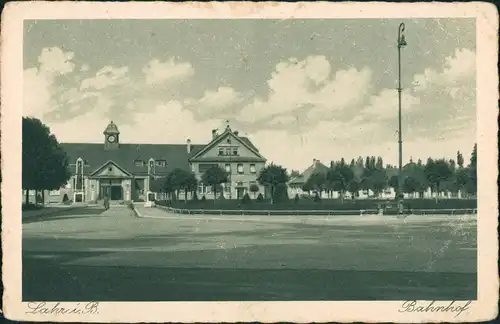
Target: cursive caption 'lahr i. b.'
[(412, 306), (44, 308)]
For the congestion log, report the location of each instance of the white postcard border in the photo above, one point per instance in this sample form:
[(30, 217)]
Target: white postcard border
[(487, 106)]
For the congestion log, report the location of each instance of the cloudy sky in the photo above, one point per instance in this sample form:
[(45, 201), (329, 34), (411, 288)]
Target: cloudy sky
[(300, 89)]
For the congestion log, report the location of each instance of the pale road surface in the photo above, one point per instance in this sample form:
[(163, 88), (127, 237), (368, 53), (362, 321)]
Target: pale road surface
[(198, 257)]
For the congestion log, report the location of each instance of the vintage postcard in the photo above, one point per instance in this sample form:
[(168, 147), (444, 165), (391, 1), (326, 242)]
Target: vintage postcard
[(249, 162)]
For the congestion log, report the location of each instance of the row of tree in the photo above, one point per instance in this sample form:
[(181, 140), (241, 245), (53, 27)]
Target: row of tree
[(439, 175), (180, 181)]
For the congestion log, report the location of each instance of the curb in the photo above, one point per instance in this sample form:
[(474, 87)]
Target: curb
[(136, 212)]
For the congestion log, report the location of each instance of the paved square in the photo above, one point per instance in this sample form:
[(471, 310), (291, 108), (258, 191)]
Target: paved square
[(113, 255)]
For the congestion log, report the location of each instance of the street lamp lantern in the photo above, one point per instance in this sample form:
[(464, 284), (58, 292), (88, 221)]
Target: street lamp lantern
[(401, 37), (401, 43)]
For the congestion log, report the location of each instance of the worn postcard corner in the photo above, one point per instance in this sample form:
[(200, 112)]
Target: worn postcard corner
[(249, 162)]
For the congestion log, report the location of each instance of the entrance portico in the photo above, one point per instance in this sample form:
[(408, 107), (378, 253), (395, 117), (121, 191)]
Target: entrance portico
[(112, 181)]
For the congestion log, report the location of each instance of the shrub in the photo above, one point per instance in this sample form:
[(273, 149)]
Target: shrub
[(31, 207), (317, 198), (281, 193), (260, 198), (246, 199), (296, 198), (66, 200), (203, 198), (254, 189), (221, 196)]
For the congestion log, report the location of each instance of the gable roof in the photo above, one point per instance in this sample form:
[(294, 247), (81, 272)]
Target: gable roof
[(316, 167), (101, 168), (243, 140), (94, 156)]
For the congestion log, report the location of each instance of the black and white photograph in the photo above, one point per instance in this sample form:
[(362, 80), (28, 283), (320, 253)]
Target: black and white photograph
[(250, 158)]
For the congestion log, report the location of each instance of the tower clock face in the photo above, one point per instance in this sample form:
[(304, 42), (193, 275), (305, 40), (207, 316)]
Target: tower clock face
[(111, 138)]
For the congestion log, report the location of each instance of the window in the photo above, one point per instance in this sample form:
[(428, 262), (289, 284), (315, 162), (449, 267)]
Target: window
[(228, 168), (221, 151), (139, 163), (252, 168), (161, 163), (54, 193), (240, 168), (203, 189), (235, 151), (151, 167), (228, 151), (202, 168)]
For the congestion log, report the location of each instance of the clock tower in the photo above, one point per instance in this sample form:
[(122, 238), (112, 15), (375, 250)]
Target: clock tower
[(111, 136)]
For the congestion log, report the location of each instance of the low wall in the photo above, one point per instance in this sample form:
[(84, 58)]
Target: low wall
[(359, 212)]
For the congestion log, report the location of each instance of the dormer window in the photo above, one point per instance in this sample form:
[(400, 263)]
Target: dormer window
[(139, 163), (151, 166), (161, 163)]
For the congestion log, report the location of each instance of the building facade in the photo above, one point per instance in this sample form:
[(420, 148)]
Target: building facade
[(123, 172), (237, 156)]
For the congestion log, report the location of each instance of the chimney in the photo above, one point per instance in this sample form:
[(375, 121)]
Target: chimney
[(236, 133), (214, 133), (314, 161), (188, 145)]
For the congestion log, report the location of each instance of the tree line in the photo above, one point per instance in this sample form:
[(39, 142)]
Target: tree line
[(180, 181), (440, 175)]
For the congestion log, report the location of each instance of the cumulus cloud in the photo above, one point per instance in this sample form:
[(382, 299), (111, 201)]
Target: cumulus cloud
[(38, 82), (157, 72), (332, 141), (441, 108), (106, 77), (84, 68), (308, 83), (384, 105), (459, 68), (169, 122), (53, 60), (215, 102), (37, 92), (293, 124)]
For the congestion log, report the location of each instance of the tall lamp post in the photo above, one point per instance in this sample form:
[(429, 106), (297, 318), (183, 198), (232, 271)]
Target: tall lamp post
[(230, 170), (401, 43)]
